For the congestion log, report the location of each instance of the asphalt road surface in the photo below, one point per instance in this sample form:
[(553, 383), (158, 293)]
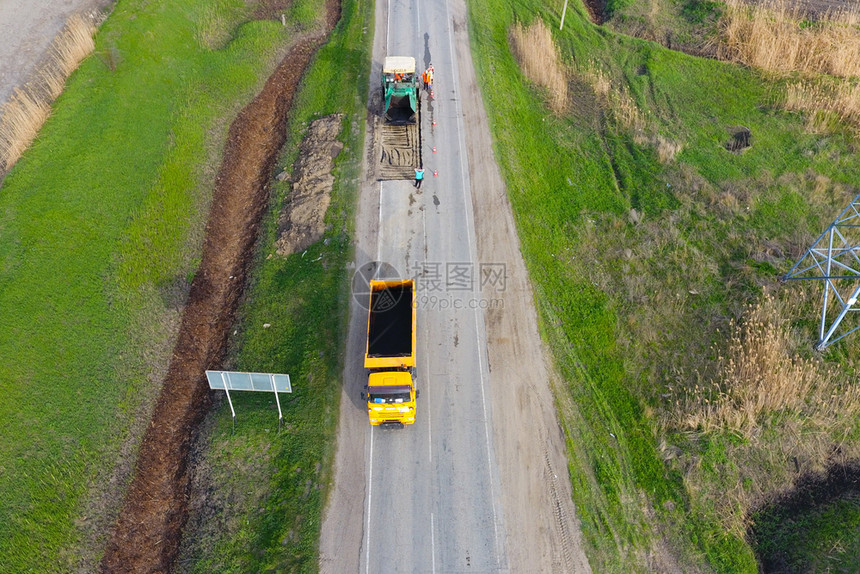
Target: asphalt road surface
[(432, 501), (439, 496)]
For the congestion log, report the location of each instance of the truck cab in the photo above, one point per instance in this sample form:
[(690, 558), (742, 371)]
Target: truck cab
[(391, 398)]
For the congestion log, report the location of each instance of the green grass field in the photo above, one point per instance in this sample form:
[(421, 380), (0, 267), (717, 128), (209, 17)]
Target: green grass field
[(100, 233), (265, 491), (640, 265)]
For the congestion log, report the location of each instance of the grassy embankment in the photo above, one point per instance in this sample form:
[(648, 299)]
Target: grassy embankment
[(265, 491), (100, 232), (689, 391)]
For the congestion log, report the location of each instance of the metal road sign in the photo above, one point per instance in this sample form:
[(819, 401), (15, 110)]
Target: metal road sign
[(239, 381)]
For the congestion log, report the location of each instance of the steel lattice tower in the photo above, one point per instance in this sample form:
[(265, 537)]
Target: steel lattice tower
[(834, 258)]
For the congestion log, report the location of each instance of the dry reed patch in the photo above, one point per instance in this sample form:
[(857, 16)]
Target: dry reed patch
[(23, 116), (825, 103), (540, 61), (597, 78), (789, 415), (776, 37), (761, 378), (74, 44), (615, 98), (626, 112), (667, 149)]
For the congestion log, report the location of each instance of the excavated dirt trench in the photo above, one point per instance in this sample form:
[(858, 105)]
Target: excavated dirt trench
[(147, 534)]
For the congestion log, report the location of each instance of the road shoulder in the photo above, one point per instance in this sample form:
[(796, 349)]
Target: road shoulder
[(530, 449)]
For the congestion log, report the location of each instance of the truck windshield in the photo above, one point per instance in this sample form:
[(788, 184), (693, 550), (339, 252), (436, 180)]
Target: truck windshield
[(389, 395)]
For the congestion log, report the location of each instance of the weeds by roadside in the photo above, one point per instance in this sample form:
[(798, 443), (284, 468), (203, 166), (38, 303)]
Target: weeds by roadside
[(540, 61), (827, 105), (777, 36), (762, 410), (74, 44), (626, 113), (21, 119), (761, 379)]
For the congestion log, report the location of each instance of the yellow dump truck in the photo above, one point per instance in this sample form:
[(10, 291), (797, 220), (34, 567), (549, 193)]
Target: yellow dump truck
[(390, 355)]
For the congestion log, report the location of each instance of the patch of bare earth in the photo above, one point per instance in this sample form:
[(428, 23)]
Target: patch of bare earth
[(301, 222), (596, 10), (147, 534), (271, 9)]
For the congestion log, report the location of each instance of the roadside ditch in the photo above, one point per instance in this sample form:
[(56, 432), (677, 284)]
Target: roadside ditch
[(146, 537)]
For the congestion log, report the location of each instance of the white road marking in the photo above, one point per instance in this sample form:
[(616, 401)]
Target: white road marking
[(426, 362), (369, 496), (432, 545), (379, 227), (469, 223)]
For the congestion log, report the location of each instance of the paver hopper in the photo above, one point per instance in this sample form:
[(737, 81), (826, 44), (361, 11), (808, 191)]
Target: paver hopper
[(400, 90)]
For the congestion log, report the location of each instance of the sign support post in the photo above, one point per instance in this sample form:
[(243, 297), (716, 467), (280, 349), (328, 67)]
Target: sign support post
[(278, 401), (232, 411)]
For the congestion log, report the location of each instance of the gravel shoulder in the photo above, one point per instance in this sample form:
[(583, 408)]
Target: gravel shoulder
[(540, 516)]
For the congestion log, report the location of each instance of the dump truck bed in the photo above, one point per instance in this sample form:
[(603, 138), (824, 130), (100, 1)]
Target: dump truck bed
[(391, 325)]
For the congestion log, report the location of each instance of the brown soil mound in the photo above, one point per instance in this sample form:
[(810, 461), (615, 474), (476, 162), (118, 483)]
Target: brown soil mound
[(301, 223), (147, 534), (597, 10)]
